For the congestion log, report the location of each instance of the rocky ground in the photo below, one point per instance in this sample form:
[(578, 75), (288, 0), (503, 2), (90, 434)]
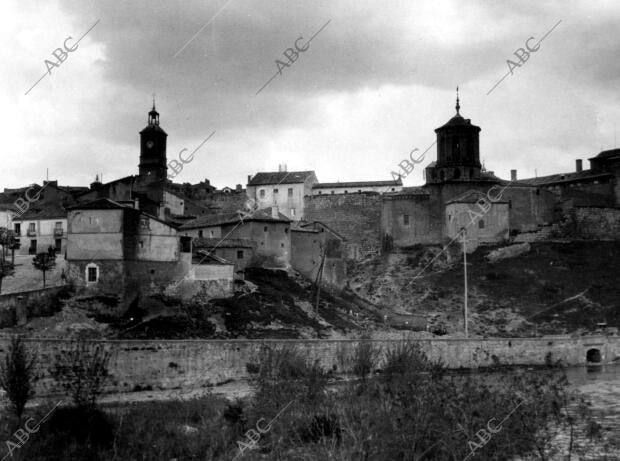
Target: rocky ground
[(526, 290)]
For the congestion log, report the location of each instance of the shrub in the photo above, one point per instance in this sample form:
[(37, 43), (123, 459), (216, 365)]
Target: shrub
[(17, 375), (365, 358), (82, 371)]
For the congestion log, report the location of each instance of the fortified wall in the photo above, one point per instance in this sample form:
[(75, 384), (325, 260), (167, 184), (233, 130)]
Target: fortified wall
[(357, 217), (168, 364)]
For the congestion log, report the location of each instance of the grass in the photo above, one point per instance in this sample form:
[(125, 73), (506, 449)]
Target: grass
[(412, 411)]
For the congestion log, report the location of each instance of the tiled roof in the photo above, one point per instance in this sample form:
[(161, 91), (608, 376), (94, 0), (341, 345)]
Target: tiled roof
[(232, 218), (586, 175), (326, 185), (608, 153), (51, 211), (472, 196), (100, 204), (280, 177)]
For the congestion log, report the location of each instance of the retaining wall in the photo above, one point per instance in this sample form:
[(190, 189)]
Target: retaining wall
[(166, 364)]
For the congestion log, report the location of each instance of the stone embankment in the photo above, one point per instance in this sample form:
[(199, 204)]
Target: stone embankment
[(168, 364)]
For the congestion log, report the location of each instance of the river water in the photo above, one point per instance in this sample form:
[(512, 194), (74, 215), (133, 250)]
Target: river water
[(601, 386)]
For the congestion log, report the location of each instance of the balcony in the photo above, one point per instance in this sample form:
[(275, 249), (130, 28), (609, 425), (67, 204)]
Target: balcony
[(58, 232), (31, 232)]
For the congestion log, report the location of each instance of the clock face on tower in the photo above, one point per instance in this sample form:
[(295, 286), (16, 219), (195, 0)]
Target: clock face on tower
[(149, 144)]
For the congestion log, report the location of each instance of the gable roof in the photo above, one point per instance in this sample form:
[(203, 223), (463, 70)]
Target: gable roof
[(280, 177), (232, 218), (51, 211), (101, 204), (586, 175), (472, 196)]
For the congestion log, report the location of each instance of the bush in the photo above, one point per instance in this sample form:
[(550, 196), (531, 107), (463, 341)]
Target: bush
[(82, 371), (365, 358), (17, 375)]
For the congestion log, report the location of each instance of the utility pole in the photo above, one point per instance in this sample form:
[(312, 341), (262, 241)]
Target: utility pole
[(319, 277), (464, 241)]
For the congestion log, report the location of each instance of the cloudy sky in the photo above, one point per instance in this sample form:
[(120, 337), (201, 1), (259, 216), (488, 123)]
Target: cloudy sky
[(373, 85)]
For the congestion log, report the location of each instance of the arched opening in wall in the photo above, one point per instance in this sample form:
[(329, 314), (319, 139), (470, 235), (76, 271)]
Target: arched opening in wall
[(457, 173), (593, 356), (481, 224)]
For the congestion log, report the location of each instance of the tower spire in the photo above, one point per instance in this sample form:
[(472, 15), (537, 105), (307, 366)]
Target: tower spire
[(153, 101), (458, 105)]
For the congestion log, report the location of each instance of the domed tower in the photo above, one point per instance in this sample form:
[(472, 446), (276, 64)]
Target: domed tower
[(458, 150), (153, 166)]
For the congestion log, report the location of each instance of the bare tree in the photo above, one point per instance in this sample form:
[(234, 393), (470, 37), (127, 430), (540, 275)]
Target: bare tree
[(17, 375), (82, 371)]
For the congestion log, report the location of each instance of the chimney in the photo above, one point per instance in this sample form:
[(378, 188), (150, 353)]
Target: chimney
[(249, 178), (136, 203), (282, 167), (274, 212), (513, 175), (238, 187), (579, 165)]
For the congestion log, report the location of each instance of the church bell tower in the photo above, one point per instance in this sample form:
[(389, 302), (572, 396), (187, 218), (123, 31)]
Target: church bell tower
[(458, 150), (153, 166)]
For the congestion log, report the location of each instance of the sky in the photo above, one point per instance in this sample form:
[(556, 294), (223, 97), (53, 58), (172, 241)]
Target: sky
[(371, 86)]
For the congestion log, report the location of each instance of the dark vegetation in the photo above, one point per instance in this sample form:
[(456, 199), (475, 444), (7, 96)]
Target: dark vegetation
[(17, 375), (413, 410)]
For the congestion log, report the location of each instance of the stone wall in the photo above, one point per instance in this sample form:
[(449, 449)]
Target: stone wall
[(26, 304), (594, 223), (168, 364), (357, 217)]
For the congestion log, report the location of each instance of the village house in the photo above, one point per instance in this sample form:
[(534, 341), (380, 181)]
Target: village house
[(40, 228), (269, 233), (283, 189), (113, 248), (317, 253)]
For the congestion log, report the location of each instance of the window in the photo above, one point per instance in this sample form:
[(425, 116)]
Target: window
[(141, 244), (211, 233), (359, 191), (58, 245), (509, 203), (406, 219), (261, 193), (290, 192), (286, 230), (265, 229), (31, 227), (393, 189), (332, 192), (144, 222), (92, 273), (292, 212), (199, 234), (239, 254), (275, 191), (481, 224), (17, 227), (320, 193), (346, 192), (58, 225)]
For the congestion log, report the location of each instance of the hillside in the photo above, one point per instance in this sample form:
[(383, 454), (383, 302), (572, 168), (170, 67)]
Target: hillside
[(554, 287)]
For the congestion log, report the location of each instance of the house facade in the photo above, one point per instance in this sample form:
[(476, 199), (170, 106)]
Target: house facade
[(268, 232), (284, 190), (112, 248), (40, 228)]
